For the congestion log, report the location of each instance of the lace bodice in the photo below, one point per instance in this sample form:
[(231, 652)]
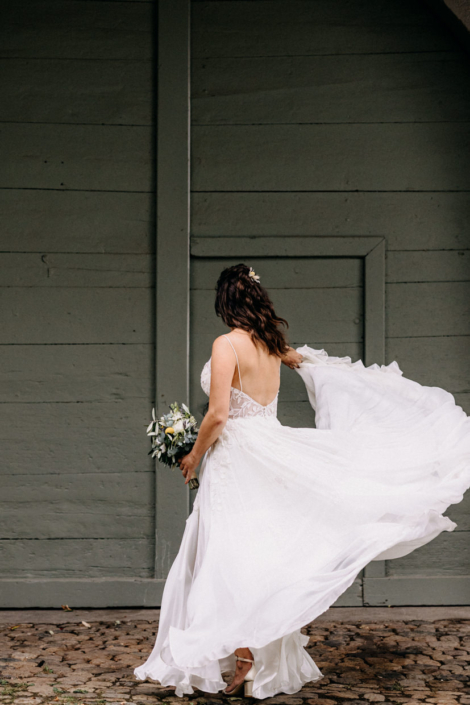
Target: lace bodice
[(241, 405)]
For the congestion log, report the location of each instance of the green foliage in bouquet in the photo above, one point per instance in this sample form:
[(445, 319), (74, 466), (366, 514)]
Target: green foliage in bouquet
[(173, 435)]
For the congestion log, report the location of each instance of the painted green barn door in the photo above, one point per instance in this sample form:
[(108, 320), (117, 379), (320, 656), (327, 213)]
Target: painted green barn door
[(329, 289)]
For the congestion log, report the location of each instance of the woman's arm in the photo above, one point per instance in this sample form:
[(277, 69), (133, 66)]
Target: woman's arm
[(292, 358), (222, 369)]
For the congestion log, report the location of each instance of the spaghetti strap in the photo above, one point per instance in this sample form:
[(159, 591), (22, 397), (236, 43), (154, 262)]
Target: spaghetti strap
[(238, 365)]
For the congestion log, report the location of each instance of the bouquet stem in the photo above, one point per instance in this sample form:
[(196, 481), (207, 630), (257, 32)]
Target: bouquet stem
[(193, 483)]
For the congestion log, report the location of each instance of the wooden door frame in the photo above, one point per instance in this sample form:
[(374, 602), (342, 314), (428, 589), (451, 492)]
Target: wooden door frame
[(372, 250)]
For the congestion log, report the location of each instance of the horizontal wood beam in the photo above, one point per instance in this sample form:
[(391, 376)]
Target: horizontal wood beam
[(105, 593), (284, 246), (87, 592), (432, 590)]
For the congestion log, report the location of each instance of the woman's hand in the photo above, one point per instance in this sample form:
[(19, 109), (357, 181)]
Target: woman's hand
[(188, 465), (292, 358)]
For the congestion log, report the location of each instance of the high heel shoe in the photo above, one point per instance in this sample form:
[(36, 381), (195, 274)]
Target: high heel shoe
[(248, 680)]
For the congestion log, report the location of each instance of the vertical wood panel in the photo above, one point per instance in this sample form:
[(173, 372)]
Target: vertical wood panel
[(172, 310), (374, 306)]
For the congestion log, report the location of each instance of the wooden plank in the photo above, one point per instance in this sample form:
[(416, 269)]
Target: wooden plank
[(77, 506), (75, 438), (68, 221), (411, 87), (77, 270), (328, 314), (419, 266), (89, 157), (288, 273), (75, 315), (428, 309), (447, 554), (296, 414), (409, 220), (463, 400), (65, 558), (77, 30), (374, 306), (378, 157), (80, 592), (77, 91), (257, 28), (460, 513), (76, 373), (290, 246), (435, 590), (352, 597), (375, 569), (172, 248), (374, 327), (441, 361)]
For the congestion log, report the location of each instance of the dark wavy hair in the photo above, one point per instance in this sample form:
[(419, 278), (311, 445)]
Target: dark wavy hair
[(241, 302)]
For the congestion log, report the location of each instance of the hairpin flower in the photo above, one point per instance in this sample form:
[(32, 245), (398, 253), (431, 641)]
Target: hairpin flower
[(253, 275)]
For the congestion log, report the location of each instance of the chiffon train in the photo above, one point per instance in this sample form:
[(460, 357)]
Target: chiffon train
[(285, 519)]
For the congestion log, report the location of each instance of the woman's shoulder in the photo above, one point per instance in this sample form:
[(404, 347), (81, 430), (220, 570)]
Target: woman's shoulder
[(221, 345), (219, 341)]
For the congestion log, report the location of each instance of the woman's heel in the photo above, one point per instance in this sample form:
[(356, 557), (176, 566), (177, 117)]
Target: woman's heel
[(247, 682), (248, 689), (249, 678)]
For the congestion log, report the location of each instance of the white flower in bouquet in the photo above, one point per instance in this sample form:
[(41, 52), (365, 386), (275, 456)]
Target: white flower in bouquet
[(173, 436), (178, 427)]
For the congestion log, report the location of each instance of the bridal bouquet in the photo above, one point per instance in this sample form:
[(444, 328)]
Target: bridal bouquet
[(173, 436)]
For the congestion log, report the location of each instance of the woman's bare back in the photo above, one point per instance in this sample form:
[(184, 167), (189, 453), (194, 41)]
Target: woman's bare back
[(260, 371)]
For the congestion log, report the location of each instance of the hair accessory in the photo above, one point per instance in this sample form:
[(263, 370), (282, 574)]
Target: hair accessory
[(253, 275)]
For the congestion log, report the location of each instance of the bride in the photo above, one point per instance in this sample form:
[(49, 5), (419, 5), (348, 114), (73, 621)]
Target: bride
[(285, 518)]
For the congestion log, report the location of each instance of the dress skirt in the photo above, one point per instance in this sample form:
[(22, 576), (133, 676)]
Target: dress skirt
[(285, 519)]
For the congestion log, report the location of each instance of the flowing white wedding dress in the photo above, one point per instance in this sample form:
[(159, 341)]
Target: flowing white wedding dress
[(285, 518)]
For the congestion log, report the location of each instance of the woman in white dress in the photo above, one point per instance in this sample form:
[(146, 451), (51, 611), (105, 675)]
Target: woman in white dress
[(285, 518)]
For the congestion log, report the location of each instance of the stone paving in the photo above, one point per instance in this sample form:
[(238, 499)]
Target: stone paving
[(389, 662)]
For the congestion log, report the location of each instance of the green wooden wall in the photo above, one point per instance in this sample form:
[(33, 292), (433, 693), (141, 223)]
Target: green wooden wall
[(344, 119), (314, 118), (77, 218)]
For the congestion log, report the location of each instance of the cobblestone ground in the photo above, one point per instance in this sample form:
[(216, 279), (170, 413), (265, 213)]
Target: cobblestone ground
[(393, 662)]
